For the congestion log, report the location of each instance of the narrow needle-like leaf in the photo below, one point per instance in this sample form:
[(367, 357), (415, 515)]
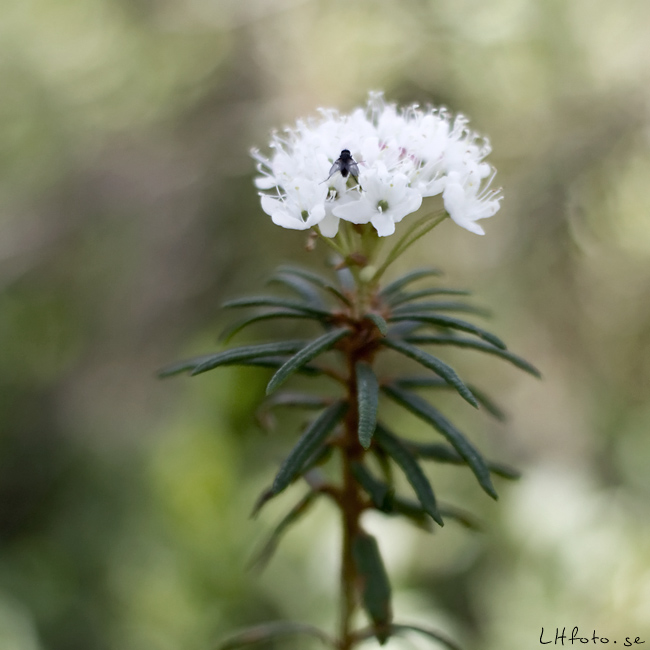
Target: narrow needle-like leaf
[(229, 357), (412, 470), (402, 281), (367, 400), (237, 327), (446, 454), (315, 279), (462, 342), (262, 558), (272, 301), (450, 322), (306, 354), (378, 491), (435, 382), (400, 298), (441, 305), (304, 289), (375, 587), (433, 363), (379, 321), (422, 409), (309, 442)]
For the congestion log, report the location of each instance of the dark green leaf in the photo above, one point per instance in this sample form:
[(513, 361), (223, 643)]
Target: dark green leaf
[(400, 298), (432, 416), (446, 454), (229, 357), (476, 345), (440, 305), (319, 457), (277, 362), (402, 281), (384, 463), (295, 399), (412, 470), (378, 320), (375, 587), (461, 516), (378, 491), (306, 354), (504, 471), (285, 303), (291, 400), (309, 443), (367, 400), (267, 551), (447, 321), (432, 634), (435, 364), (412, 510), (270, 631), (184, 365), (237, 327), (304, 289), (434, 382), (315, 279)]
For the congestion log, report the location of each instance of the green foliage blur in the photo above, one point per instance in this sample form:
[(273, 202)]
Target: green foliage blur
[(128, 214)]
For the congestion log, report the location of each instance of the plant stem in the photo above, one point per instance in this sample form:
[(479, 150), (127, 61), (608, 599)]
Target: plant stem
[(351, 507)]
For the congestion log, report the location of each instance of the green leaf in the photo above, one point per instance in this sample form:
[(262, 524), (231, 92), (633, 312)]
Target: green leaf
[(400, 298), (402, 281), (304, 289), (237, 327), (378, 320), (315, 279), (308, 444), (440, 305), (450, 322), (422, 409), (432, 634), (288, 399), (412, 470), (296, 399), (476, 345), (446, 454), (375, 587), (367, 400), (272, 301), (412, 510), (434, 382), (262, 558), (379, 492), (435, 364), (307, 353), (464, 518), (277, 362), (229, 357), (270, 631)]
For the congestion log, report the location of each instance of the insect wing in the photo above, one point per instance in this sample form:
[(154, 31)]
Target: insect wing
[(336, 167)]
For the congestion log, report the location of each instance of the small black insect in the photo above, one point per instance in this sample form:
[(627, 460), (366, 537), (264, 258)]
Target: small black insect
[(345, 164)]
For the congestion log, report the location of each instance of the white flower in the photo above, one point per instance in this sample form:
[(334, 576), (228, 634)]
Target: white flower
[(386, 199), (402, 157)]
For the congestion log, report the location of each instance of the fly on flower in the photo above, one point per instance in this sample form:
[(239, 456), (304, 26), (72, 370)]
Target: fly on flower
[(408, 155), (345, 164)]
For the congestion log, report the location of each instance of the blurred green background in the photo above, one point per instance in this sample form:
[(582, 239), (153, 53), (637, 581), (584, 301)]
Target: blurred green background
[(128, 214)]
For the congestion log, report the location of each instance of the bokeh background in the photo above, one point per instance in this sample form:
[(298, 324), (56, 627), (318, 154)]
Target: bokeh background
[(128, 214)]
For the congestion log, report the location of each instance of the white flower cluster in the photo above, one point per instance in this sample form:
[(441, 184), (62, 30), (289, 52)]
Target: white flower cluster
[(399, 157)]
